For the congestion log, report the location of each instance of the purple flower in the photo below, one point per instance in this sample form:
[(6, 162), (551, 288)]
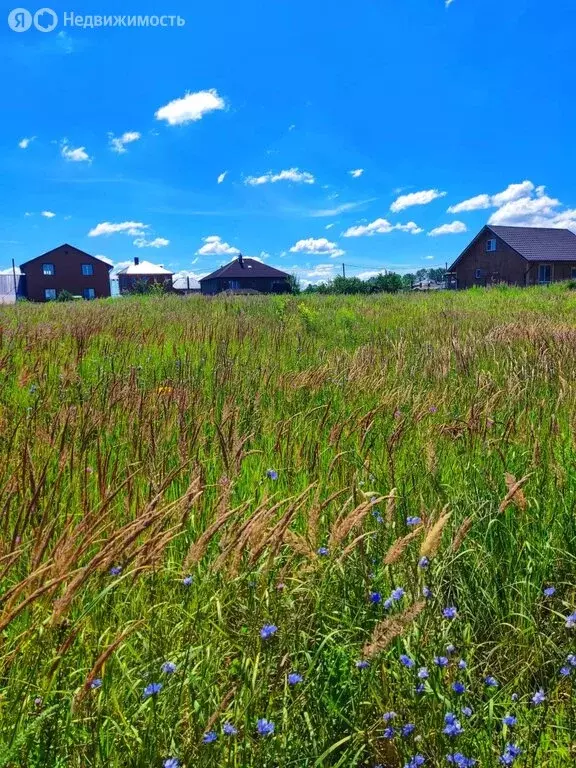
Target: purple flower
[(171, 762), (423, 562), (406, 661), (510, 754), (210, 737), (153, 689), (433, 409), (388, 603), (462, 664), (265, 727), (427, 592), (571, 659), (271, 474), (388, 716), (115, 571), (362, 664), (408, 729), (375, 597), (539, 697), (466, 711), (441, 661), (294, 678), (549, 591), (458, 688), (450, 649), (229, 729), (450, 613), (453, 727), (571, 621), (411, 521), (423, 673), (169, 667), (509, 720), (95, 684), (491, 682), (415, 762), (323, 551), (268, 631), (459, 760), (565, 671), (420, 689), (389, 732), (187, 581), (397, 594), (514, 697)]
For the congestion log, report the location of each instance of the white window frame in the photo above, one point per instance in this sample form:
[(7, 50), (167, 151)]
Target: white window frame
[(49, 267), (90, 268), (545, 266), (491, 245), (52, 292)]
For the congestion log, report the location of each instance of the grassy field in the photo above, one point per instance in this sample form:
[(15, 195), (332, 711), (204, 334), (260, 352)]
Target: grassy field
[(239, 532)]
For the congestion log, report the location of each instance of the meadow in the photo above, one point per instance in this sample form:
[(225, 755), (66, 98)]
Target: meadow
[(289, 531)]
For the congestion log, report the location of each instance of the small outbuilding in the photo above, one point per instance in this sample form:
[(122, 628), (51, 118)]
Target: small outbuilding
[(246, 275)]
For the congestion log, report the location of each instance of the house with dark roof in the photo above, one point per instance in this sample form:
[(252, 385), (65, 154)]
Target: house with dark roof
[(66, 269), (245, 275), (515, 255)]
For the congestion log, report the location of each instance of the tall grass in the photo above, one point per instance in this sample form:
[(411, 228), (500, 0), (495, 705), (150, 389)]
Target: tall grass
[(253, 488)]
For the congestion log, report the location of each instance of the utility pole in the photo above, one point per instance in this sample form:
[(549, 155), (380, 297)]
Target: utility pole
[(15, 282), (344, 271)]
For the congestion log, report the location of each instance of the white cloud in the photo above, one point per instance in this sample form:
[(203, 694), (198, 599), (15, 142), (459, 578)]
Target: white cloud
[(118, 143), (342, 208), (292, 174), (534, 212), (322, 271), (449, 3), (191, 107), (473, 204), (381, 227), (28, 213), (78, 155), (215, 246), (134, 228), (430, 258), (319, 246), (48, 214), (222, 177), (416, 198), (512, 192), (455, 228), (158, 242), (25, 143), (328, 226), (356, 173)]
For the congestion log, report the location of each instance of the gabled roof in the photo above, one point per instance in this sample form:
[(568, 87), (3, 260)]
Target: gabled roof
[(144, 268), (79, 253), (248, 268)]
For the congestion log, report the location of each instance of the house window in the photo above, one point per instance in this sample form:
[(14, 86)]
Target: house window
[(235, 285), (87, 270), (50, 294), (490, 246), (89, 293), (573, 273), (544, 274), (478, 274), (48, 269)]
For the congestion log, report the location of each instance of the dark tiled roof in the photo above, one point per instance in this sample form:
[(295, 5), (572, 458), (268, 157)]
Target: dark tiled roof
[(249, 268), (72, 248), (539, 243)]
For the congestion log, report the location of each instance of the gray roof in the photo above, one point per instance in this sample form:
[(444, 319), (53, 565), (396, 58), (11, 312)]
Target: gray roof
[(539, 243), (248, 268)]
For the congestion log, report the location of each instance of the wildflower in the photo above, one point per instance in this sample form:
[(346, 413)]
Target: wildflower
[(433, 409), (171, 762), (441, 661), (280, 587), (271, 474), (406, 661), (571, 621), (115, 571), (423, 562), (408, 729), (265, 727), (398, 593), (415, 762), (458, 688), (459, 760), (389, 732), (514, 697), (229, 729), (323, 552), (491, 682), (268, 631), (427, 592), (413, 521), (38, 701), (397, 414), (510, 754), (450, 613), (453, 727), (565, 671), (549, 591), (95, 684), (571, 659), (450, 649), (209, 737), (169, 667), (539, 697), (509, 720), (462, 664), (375, 598), (294, 678), (153, 689), (466, 711), (187, 581), (388, 603), (423, 673), (420, 689), (362, 664)]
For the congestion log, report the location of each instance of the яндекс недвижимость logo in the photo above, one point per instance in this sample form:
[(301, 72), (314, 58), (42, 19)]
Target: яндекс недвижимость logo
[(21, 20)]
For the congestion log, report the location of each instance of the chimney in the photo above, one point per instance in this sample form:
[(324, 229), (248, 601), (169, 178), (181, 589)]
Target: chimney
[(136, 261), (241, 260)]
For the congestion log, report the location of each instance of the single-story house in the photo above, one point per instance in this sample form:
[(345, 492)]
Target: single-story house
[(143, 273), (246, 275), (69, 269), (515, 255)]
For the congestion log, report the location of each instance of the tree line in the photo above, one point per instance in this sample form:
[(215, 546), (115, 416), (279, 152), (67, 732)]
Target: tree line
[(391, 282)]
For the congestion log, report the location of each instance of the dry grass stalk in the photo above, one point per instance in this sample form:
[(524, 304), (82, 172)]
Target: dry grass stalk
[(352, 546), (391, 506), (461, 534), (399, 546), (345, 524), (515, 493), (299, 544), (385, 631), (198, 549), (433, 539), (221, 707), (9, 617)]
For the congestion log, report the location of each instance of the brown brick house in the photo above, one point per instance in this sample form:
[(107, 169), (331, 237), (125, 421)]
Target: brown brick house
[(515, 255), (245, 275), (66, 269)]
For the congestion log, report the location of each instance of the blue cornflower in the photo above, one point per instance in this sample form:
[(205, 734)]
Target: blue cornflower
[(511, 752), (171, 762), (441, 661), (420, 689), (408, 729), (461, 761), (294, 678), (423, 673), (549, 591), (509, 720), (423, 562), (397, 594), (265, 727), (413, 521), (169, 667), (450, 613), (323, 551), (362, 664), (95, 684), (571, 659), (406, 661), (187, 581), (375, 598), (153, 689), (539, 697), (565, 671), (415, 762), (388, 603), (462, 664), (271, 474), (427, 592), (458, 688), (268, 631), (209, 737), (229, 729), (466, 711), (571, 621), (450, 649), (453, 727), (115, 571), (389, 732), (514, 697), (388, 716), (491, 682)]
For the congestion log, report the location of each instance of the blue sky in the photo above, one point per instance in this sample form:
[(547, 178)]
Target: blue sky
[(116, 139)]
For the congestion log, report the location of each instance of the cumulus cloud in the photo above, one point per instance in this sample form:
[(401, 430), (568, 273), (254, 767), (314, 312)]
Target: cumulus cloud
[(48, 214), (25, 143), (191, 107), (473, 204), (356, 173), (416, 198), (158, 242), (118, 143), (508, 195), (222, 177), (134, 228), (455, 228), (319, 272), (292, 174), (78, 155), (319, 247), (381, 227), (215, 246)]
